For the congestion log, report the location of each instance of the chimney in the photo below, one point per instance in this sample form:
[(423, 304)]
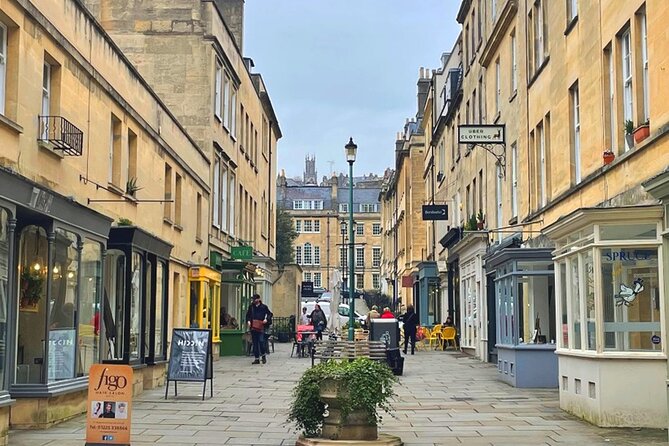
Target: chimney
[(334, 184), (233, 14), (423, 89)]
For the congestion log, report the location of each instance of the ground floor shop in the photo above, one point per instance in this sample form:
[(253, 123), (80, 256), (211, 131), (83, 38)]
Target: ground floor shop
[(610, 274)]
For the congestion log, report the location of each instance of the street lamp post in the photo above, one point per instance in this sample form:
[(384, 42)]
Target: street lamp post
[(351, 150)]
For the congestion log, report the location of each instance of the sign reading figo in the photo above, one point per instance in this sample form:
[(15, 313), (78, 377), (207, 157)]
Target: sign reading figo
[(481, 134), (109, 404)]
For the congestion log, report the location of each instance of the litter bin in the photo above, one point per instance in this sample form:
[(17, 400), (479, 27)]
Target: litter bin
[(388, 331)]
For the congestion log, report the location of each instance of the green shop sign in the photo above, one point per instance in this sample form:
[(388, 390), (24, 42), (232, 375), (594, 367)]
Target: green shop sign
[(242, 252)]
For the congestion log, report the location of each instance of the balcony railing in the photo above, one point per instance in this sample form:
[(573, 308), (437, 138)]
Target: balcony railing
[(61, 134)]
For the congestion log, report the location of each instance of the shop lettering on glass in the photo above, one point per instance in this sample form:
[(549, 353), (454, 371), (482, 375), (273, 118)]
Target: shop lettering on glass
[(629, 292)]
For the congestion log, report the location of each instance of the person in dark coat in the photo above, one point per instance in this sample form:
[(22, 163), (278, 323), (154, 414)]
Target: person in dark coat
[(257, 318), (410, 319), (319, 321)]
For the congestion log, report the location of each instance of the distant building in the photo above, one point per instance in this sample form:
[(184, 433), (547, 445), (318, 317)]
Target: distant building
[(320, 216)]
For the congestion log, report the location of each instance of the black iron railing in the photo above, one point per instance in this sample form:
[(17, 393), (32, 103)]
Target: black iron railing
[(61, 134)]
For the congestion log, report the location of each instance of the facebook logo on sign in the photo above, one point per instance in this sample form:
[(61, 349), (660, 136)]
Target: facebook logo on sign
[(107, 437)]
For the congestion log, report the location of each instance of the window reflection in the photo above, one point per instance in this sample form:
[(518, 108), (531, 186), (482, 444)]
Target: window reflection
[(114, 304), (135, 304), (89, 306), (4, 289)]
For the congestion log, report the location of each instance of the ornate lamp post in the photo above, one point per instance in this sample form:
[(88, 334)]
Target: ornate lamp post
[(351, 150)]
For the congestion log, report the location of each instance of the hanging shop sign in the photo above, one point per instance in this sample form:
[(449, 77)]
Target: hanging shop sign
[(407, 281), (481, 134), (109, 405), (190, 359), (62, 349), (308, 289), (435, 212), (241, 252)]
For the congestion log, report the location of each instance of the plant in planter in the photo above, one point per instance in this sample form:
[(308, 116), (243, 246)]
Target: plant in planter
[(124, 222), (642, 132), (480, 220), (351, 391), (471, 223), (629, 133), (131, 187), (608, 156), (356, 325), (32, 283)]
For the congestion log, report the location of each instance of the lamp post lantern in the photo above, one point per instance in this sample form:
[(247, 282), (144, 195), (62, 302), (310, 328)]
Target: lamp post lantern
[(351, 150)]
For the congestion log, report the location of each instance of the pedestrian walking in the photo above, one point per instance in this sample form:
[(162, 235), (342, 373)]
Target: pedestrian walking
[(373, 314), (410, 319), (304, 317), (257, 317), (319, 321)]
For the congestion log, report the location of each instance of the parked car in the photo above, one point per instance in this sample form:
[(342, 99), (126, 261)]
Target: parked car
[(343, 311)]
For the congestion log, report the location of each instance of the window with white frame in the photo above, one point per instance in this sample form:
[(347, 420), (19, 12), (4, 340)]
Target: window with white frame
[(644, 65), (3, 66), (376, 256), (308, 226), (317, 226), (298, 255), (514, 63), (298, 226), (608, 55), (369, 207), (626, 59), (360, 229), (498, 193), (360, 281), (218, 80), (297, 204), (498, 87), (226, 102), (572, 10), (231, 200), (343, 207), (359, 257), (343, 257), (317, 255), (318, 281), (575, 134), (224, 197), (493, 10), (376, 228), (376, 282), (308, 259), (541, 142), (307, 276), (514, 180), (233, 112), (216, 197), (46, 93), (624, 263)]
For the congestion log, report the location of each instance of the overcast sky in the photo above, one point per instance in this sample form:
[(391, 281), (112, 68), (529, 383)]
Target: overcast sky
[(341, 68)]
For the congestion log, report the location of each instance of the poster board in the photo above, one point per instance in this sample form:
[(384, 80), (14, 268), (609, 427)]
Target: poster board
[(109, 405), (62, 347), (190, 359)]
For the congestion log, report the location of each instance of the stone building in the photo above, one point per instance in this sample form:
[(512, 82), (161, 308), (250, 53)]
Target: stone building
[(320, 216), (560, 280), (402, 196), (103, 206), (224, 104)]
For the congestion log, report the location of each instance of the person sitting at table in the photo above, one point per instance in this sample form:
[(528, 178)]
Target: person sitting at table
[(387, 314), (319, 321)]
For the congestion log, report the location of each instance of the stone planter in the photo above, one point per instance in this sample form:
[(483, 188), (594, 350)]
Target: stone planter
[(355, 426)]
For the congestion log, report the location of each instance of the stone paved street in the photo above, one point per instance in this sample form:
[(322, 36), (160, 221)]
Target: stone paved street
[(443, 399)]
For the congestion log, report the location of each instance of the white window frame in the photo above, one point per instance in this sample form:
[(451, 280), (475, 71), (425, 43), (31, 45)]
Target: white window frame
[(499, 193), (217, 89), (226, 102), (317, 226), (308, 226), (298, 255), (576, 132), (298, 204), (644, 61), (317, 255), (298, 226), (376, 256), (498, 87), (360, 229), (233, 112), (493, 10), (46, 96), (376, 281), (232, 189), (359, 257), (343, 207), (318, 279), (307, 276), (514, 64), (376, 229), (572, 10), (3, 66), (612, 102), (541, 137), (627, 74), (308, 254), (343, 256), (360, 281)]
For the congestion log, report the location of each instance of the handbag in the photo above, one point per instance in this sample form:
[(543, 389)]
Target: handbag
[(257, 325)]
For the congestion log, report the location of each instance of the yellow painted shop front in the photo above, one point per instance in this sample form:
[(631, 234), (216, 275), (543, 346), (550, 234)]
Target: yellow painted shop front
[(204, 284)]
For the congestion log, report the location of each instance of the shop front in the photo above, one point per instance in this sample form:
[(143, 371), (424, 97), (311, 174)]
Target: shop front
[(134, 328), (428, 305), (448, 241), (524, 315), (610, 307), (204, 284), (237, 287), (51, 257), (469, 252)]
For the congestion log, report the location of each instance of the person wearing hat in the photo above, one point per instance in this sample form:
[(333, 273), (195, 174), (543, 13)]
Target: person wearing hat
[(257, 318)]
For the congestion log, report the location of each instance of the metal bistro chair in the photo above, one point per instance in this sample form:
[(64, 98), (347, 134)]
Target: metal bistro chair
[(448, 335), (434, 337)]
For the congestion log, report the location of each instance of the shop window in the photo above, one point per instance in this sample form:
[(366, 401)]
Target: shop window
[(631, 293), (4, 289), (136, 279), (114, 305), (575, 293), (231, 307), (564, 327), (89, 305), (625, 232), (148, 310)]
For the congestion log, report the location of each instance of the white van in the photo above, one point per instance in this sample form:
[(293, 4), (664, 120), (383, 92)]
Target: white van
[(343, 311)]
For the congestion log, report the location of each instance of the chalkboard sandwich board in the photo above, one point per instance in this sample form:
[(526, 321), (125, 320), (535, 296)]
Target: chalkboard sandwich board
[(190, 359)]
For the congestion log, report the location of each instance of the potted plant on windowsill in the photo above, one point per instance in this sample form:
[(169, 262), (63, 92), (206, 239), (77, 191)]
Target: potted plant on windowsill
[(351, 392), (608, 156), (642, 132), (629, 133), (131, 187), (480, 220)]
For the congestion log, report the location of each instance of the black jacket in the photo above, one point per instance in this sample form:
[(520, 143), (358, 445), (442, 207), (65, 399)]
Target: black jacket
[(318, 316), (410, 320), (259, 313)]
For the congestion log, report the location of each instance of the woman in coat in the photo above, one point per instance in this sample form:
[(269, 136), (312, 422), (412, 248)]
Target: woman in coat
[(319, 321), (410, 319)]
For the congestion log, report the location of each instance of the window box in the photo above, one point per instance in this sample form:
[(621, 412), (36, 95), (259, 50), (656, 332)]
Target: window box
[(642, 132)]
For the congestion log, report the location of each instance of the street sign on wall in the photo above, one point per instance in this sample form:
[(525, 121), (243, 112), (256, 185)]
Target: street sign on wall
[(435, 212), (481, 134)]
